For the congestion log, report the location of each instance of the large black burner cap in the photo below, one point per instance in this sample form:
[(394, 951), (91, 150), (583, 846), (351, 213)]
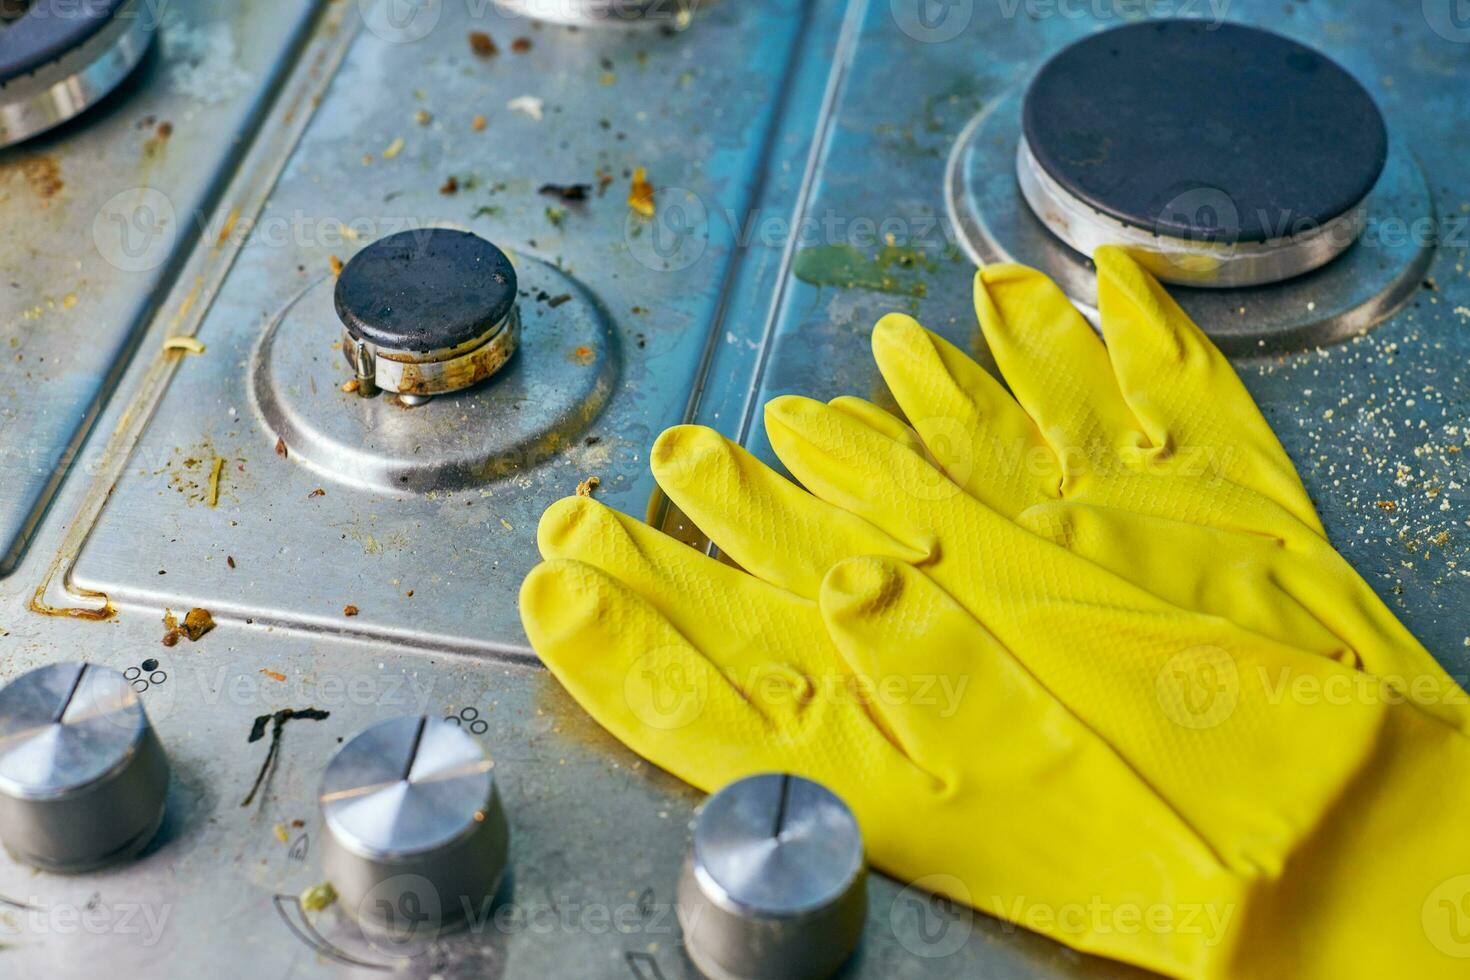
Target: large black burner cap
[(1202, 130), (425, 290)]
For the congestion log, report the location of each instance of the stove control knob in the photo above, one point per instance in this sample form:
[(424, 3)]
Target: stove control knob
[(416, 834), (774, 885), (427, 311), (82, 775)]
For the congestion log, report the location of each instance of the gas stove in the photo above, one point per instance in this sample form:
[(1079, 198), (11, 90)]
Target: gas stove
[(275, 481)]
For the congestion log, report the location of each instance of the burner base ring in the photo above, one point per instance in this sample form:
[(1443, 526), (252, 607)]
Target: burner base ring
[(1349, 295)]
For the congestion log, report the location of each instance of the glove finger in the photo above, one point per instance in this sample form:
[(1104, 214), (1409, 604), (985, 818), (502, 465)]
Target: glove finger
[(640, 679), (859, 470), (969, 423), (1183, 391), (749, 626), (1238, 583), (677, 705), (774, 529), (879, 419), (1057, 368), (1089, 821)]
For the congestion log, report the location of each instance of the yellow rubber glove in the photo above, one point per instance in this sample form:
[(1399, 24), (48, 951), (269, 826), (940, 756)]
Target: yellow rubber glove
[(1147, 455), (999, 795)]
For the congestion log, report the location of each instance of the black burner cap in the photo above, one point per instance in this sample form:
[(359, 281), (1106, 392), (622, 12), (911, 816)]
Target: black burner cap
[(429, 289), (1205, 131), (38, 32)]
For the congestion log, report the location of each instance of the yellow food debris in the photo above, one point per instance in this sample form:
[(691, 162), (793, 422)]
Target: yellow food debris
[(394, 148), (349, 386), (281, 834), (478, 124), (274, 675), (335, 264), (197, 622), (189, 345), (318, 897), (640, 195), (507, 524), (214, 475), (585, 488)]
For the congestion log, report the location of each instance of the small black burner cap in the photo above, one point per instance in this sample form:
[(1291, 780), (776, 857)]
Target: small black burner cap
[(36, 33), (1165, 124), (425, 290)]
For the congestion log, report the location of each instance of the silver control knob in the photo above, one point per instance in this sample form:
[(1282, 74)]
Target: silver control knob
[(416, 834), (82, 775), (774, 885)]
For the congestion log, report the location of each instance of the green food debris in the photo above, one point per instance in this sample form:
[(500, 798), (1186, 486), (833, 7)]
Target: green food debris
[(318, 897), (555, 215), (486, 211), (846, 267)]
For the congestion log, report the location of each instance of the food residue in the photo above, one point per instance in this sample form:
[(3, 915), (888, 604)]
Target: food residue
[(585, 488), (450, 185), (567, 192), (394, 148), (521, 45), (189, 345), (212, 498), (528, 104), (281, 449), (483, 45), (349, 610), (274, 675), (478, 124), (196, 623), (335, 264), (640, 194), (318, 897)]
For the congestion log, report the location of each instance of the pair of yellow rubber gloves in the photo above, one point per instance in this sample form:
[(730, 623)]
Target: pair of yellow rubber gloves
[(1077, 654)]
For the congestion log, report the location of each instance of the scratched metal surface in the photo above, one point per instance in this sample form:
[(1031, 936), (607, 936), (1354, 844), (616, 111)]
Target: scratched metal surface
[(757, 116)]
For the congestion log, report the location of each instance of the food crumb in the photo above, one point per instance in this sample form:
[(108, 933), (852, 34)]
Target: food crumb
[(349, 610), (281, 834), (394, 148), (585, 488), (423, 117), (640, 194), (281, 450), (478, 124), (197, 622), (349, 387), (318, 897), (528, 104), (450, 185), (274, 675), (335, 264), (483, 45)]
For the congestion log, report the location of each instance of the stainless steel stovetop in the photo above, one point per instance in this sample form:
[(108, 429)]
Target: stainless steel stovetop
[(808, 160)]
